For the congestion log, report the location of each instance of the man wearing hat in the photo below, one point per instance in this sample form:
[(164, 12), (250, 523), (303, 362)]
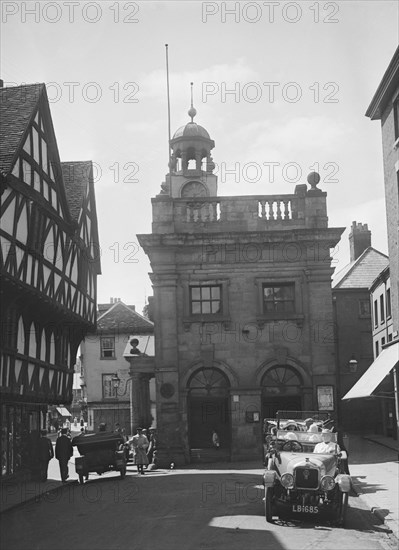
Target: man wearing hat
[(139, 444), (327, 445), (63, 452)]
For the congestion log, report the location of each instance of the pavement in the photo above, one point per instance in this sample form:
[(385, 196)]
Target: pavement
[(373, 465), (374, 470)]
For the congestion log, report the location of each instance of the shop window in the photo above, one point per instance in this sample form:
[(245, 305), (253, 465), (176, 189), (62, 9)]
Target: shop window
[(205, 300), (278, 298), (109, 391), (107, 348)]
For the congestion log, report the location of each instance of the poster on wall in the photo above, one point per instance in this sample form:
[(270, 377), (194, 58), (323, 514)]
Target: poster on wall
[(325, 398)]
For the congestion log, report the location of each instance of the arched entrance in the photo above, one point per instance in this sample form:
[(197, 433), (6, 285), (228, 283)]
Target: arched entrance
[(281, 390), (208, 408)]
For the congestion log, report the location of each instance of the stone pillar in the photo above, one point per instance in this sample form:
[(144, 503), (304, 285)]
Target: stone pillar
[(246, 424), (135, 401)]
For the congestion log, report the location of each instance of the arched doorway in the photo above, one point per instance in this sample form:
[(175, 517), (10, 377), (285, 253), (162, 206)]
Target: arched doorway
[(281, 390), (208, 408)]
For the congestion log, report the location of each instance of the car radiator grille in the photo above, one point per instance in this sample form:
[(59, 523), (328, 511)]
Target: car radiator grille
[(306, 478)]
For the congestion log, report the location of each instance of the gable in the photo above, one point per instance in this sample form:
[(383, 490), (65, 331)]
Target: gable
[(119, 318), (79, 189), (29, 148), (362, 272)]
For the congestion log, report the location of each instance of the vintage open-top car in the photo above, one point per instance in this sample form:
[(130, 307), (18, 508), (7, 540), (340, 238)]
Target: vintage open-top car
[(300, 477)]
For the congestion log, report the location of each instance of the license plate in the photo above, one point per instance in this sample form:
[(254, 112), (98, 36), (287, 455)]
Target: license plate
[(300, 509)]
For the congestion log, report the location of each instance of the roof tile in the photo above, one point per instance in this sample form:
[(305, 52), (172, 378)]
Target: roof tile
[(362, 272)]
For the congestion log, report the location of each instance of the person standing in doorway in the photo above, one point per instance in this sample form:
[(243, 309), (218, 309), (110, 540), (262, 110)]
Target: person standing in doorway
[(63, 452), (215, 440), (46, 453)]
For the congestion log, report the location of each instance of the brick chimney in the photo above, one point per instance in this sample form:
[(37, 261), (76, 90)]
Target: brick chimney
[(359, 240)]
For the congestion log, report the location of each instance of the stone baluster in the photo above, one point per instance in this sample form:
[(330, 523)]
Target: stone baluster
[(278, 212), (263, 209), (214, 206)]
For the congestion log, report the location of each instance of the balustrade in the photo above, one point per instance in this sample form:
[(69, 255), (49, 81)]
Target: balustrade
[(276, 209)]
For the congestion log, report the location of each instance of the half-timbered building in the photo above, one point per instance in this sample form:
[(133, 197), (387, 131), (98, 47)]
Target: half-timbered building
[(49, 263)]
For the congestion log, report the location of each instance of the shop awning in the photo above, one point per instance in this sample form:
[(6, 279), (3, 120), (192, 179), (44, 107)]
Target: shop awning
[(63, 411), (375, 374)]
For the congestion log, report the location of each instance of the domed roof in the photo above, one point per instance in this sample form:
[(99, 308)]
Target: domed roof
[(191, 129)]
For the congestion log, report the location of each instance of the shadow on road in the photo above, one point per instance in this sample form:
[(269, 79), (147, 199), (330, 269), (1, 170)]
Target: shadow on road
[(204, 510)]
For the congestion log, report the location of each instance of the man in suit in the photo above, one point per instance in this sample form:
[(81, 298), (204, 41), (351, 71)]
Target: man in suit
[(63, 452), (46, 453)]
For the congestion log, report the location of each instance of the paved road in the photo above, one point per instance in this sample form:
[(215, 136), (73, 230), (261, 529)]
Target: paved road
[(188, 509)]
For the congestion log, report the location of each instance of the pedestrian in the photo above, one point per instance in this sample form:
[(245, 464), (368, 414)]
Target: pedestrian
[(82, 422), (152, 444), (46, 453), (139, 444), (63, 452), (215, 440)]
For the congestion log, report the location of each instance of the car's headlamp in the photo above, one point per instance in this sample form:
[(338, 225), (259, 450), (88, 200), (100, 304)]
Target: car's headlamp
[(287, 481), (327, 483)]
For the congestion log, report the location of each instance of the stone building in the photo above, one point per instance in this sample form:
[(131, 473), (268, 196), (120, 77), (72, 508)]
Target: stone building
[(112, 396), (49, 264), (353, 324), (242, 305), (385, 107)]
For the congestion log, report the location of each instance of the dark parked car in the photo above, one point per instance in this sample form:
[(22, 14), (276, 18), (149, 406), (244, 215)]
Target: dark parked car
[(301, 479), (100, 452)]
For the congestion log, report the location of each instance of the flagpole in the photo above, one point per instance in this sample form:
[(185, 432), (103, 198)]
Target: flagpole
[(167, 89)]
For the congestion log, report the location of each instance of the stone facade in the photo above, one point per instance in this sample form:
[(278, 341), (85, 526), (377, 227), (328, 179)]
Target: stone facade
[(385, 107), (242, 308)]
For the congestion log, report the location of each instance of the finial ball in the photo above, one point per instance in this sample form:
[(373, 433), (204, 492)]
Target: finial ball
[(313, 178)]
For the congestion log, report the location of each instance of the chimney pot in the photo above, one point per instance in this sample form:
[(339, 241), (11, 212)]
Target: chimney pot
[(359, 240)]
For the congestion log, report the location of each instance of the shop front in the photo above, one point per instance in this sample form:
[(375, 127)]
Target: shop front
[(20, 432)]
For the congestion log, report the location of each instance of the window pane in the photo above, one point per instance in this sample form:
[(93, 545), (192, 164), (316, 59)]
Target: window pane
[(269, 306), (206, 293), (206, 307), (196, 307), (268, 293), (216, 306), (195, 293), (286, 292), (215, 293)]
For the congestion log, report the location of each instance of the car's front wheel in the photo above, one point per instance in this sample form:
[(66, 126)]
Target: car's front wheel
[(269, 501)]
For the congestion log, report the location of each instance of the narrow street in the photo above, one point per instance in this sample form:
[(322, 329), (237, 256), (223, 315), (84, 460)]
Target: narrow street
[(187, 509)]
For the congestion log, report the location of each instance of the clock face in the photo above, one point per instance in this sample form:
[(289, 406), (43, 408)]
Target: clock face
[(194, 189)]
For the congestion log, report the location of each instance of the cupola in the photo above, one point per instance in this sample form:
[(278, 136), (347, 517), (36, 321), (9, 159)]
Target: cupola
[(191, 148)]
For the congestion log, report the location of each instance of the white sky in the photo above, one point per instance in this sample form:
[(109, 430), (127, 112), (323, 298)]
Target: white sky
[(330, 56)]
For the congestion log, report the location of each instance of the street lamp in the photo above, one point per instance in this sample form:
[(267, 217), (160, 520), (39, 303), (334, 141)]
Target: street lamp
[(115, 384)]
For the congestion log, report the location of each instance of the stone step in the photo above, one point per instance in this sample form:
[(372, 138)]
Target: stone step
[(209, 455)]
